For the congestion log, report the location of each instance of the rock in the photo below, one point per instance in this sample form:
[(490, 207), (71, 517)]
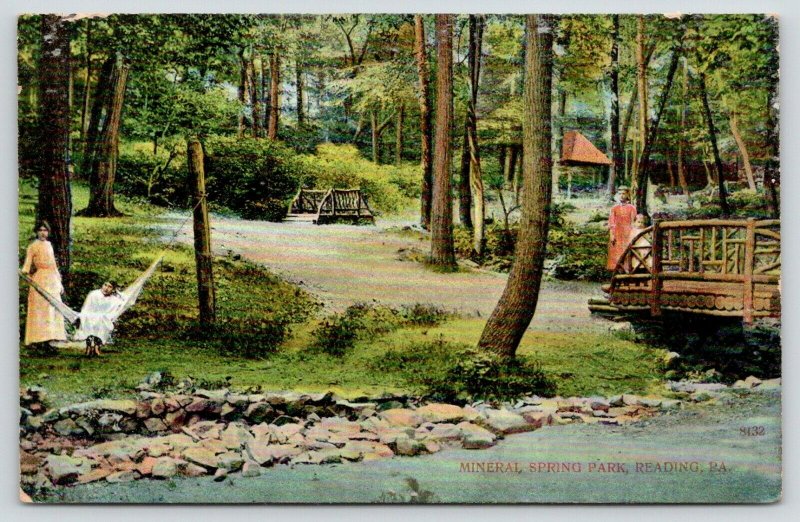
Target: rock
[(671, 359), (220, 475), (122, 476), (369, 450), (538, 419), (389, 405), (145, 467), (250, 469), (165, 467), (602, 405), (504, 422), (475, 437), (441, 413), (401, 417), (193, 470), (201, 456), (701, 396), (630, 400), (284, 419), (157, 406), (123, 406), (770, 384), (214, 445), (68, 428), (235, 436), (220, 395), (258, 449), (29, 463), (390, 435), (203, 406), (64, 469), (340, 425), (152, 379), (439, 433), (650, 403), (405, 445), (175, 420), (230, 461), (670, 405), (207, 429), (94, 475), (752, 382), (171, 404), (691, 387), (259, 412), (154, 424), (143, 410), (621, 327)]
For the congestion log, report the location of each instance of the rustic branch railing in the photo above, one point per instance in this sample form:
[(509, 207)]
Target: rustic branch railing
[(332, 205), (718, 267)]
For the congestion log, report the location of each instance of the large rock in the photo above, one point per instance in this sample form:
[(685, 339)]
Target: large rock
[(504, 422), (201, 456), (64, 469), (165, 467), (369, 450), (475, 437), (230, 461), (259, 412), (124, 406), (68, 428), (401, 417), (235, 436), (441, 413), (250, 469), (29, 463), (123, 476), (409, 446), (341, 426), (154, 424)]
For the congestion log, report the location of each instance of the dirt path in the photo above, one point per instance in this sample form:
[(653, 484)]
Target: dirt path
[(344, 264)]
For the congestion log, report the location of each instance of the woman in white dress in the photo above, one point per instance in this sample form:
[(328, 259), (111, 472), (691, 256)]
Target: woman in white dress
[(97, 316)]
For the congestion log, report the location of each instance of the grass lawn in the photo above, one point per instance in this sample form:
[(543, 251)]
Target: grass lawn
[(160, 333)]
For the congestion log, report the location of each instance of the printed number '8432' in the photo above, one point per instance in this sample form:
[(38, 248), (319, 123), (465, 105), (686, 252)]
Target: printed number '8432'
[(752, 431)]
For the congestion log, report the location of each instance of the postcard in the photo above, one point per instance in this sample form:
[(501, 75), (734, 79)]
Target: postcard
[(399, 258)]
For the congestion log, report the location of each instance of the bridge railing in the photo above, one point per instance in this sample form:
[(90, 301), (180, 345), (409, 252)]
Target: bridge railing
[(745, 252)]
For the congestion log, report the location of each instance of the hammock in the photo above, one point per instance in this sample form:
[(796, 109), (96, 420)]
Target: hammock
[(129, 294)]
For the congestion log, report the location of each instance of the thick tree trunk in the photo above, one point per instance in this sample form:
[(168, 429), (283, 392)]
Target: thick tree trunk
[(300, 86), (442, 250), (243, 87), (476, 26), (104, 161), (641, 86), (255, 99), (748, 169), (398, 135), (517, 305), (274, 95), (616, 145), (643, 169), (55, 199), (712, 137), (101, 94), (87, 85), (426, 138), (464, 189)]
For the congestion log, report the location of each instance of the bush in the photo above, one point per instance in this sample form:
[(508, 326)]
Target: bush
[(251, 338), (159, 179), (423, 315), (256, 178)]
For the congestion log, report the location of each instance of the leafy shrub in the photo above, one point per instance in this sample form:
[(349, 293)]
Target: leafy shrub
[(423, 314), (578, 253), (256, 178), (337, 334), (251, 338), (160, 178)]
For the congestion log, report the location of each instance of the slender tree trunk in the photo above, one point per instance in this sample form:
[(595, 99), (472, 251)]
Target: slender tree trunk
[(748, 169), (476, 26), (513, 178), (104, 161), (643, 170), (641, 85), (398, 135), (55, 199), (274, 95), (562, 111), (671, 174), (265, 97), (300, 85), (87, 86), (243, 85), (442, 250), (426, 137), (772, 175), (712, 137), (102, 92), (202, 236), (516, 308), (616, 146), (255, 99), (464, 189), (682, 134), (501, 160), (376, 152)]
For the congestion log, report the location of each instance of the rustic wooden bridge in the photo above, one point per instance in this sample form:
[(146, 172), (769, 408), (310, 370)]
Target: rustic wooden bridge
[(330, 206), (716, 267)]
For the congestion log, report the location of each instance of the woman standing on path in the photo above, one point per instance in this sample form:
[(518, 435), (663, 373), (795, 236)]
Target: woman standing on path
[(620, 223), (43, 323)]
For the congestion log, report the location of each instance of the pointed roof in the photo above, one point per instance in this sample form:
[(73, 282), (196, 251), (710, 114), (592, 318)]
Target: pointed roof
[(576, 149)]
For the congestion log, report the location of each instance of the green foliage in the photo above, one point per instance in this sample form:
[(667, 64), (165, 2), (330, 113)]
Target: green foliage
[(256, 178), (578, 252), (159, 178), (251, 338), (388, 188)]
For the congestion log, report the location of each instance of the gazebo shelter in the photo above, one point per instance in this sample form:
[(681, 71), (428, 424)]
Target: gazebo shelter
[(578, 151)]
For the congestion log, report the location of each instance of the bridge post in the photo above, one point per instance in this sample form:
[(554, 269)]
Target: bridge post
[(202, 235), (749, 260), (655, 271)]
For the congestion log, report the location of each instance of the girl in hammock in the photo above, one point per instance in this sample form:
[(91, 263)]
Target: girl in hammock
[(98, 314)]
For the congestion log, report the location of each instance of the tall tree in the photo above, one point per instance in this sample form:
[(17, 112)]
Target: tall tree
[(516, 308), (300, 87), (733, 120), (682, 131), (442, 249), (104, 158), (55, 201), (398, 134), (426, 137), (244, 85), (476, 27), (616, 145), (464, 189), (255, 99), (641, 87), (274, 94), (712, 138)]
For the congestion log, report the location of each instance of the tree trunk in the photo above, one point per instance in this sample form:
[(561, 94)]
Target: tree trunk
[(682, 134), (398, 135), (265, 98), (86, 87), (255, 100), (515, 310), (426, 138), (274, 95), (513, 177), (464, 189), (202, 235), (376, 153), (562, 110), (476, 26), (442, 250), (616, 146), (712, 137), (104, 161), (671, 174), (99, 104), (748, 169), (501, 160), (643, 169), (641, 86), (300, 85), (243, 85), (55, 199)]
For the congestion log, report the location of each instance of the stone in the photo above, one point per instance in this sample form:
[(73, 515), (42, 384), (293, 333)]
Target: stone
[(122, 476), (220, 475), (202, 406), (475, 437), (145, 467), (670, 405), (616, 401), (207, 429), (230, 461), (227, 410), (237, 400), (164, 467), (650, 403), (157, 406), (235, 436), (440, 433), (770, 384), (94, 475), (64, 469), (671, 359), (123, 406), (68, 428), (441, 413), (538, 419), (630, 400), (220, 395), (175, 420), (193, 470), (29, 463), (171, 404), (259, 412), (432, 447), (401, 417), (250, 469), (201, 456), (143, 410), (369, 450), (154, 424), (390, 435), (752, 382), (409, 446), (504, 422), (258, 450)]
